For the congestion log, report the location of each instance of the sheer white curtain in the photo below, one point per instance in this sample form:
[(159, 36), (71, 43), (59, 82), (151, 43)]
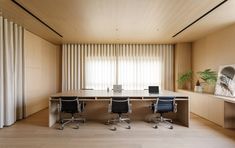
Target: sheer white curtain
[(135, 66), (11, 72), (71, 65), (100, 66), (139, 66)]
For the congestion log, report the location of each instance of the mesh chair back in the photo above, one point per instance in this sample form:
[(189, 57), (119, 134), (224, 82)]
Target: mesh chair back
[(120, 105), (69, 104), (164, 104)]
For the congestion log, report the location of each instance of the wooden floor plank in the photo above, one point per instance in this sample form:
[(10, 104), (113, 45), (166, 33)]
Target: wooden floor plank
[(34, 133)]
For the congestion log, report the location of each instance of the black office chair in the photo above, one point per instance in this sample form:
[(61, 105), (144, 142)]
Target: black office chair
[(120, 106), (161, 106), (72, 106)]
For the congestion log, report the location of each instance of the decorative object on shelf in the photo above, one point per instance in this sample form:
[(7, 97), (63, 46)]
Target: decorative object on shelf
[(208, 76), (198, 87), (225, 86), (184, 80)]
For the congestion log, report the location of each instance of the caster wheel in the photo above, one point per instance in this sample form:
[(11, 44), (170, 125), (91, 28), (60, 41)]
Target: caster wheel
[(128, 127), (171, 127), (106, 123), (155, 126), (113, 129), (61, 128), (76, 127)]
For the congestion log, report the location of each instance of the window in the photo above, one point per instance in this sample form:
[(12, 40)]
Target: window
[(135, 66), (100, 72), (137, 73)]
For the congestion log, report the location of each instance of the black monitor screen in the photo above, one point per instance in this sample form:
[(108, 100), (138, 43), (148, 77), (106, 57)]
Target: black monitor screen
[(153, 89)]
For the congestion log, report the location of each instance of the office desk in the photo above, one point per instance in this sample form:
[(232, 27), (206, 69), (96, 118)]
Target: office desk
[(97, 103)]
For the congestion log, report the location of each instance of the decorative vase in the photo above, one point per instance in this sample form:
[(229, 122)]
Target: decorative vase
[(198, 87)]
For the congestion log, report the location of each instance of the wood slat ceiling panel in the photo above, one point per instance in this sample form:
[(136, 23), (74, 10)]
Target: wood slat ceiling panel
[(128, 21)]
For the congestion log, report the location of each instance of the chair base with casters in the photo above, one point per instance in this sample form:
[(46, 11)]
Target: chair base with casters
[(120, 106), (65, 121), (118, 120), (161, 120), (161, 106), (71, 106)]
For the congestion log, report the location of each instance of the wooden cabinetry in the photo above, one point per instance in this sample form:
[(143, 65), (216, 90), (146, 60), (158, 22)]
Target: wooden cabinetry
[(219, 110)]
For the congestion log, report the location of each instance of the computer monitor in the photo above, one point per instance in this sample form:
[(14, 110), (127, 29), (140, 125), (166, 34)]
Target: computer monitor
[(117, 88), (154, 89)]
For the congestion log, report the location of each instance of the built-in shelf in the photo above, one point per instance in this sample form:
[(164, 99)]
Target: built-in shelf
[(228, 99)]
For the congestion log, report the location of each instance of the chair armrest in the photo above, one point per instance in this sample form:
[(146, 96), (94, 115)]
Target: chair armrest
[(59, 107), (110, 107), (130, 108), (175, 107), (83, 104), (155, 105), (79, 107)]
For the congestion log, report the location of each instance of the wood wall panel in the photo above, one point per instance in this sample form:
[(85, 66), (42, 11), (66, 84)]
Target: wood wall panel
[(42, 72), (214, 50), (182, 61)]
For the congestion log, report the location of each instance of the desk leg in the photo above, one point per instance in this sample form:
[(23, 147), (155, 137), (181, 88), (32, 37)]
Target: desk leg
[(53, 113), (183, 114)]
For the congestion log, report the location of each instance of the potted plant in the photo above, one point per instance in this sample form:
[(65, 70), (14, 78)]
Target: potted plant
[(184, 80), (209, 77)]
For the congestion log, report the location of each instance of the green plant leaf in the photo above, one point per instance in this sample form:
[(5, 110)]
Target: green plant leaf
[(185, 77), (209, 76)]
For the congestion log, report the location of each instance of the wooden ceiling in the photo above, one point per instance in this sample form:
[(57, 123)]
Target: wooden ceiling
[(120, 21)]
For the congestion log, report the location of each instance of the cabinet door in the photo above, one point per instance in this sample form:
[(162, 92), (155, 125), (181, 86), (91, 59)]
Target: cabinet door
[(201, 105), (216, 111)]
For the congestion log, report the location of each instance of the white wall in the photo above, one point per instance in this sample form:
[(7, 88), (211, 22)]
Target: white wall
[(42, 72)]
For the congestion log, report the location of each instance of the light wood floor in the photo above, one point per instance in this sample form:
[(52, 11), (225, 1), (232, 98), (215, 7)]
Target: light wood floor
[(34, 133)]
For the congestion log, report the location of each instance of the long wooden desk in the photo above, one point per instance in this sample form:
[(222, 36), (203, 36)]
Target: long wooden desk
[(97, 104)]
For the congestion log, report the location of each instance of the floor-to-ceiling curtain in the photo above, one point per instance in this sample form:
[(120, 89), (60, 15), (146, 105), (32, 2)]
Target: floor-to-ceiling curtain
[(100, 66), (135, 66), (142, 65), (11, 72), (139, 66), (71, 65)]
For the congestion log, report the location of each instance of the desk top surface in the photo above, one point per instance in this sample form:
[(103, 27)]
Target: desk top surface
[(124, 93)]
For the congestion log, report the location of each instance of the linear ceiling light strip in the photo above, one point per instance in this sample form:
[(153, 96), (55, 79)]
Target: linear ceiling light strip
[(22, 7), (200, 18)]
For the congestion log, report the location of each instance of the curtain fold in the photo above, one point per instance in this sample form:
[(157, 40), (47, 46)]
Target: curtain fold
[(138, 66), (135, 66), (100, 66), (71, 65), (11, 72)]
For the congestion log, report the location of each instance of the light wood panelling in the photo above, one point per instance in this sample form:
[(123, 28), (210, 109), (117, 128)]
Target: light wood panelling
[(214, 50), (121, 21), (42, 72), (14, 13), (183, 62)]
